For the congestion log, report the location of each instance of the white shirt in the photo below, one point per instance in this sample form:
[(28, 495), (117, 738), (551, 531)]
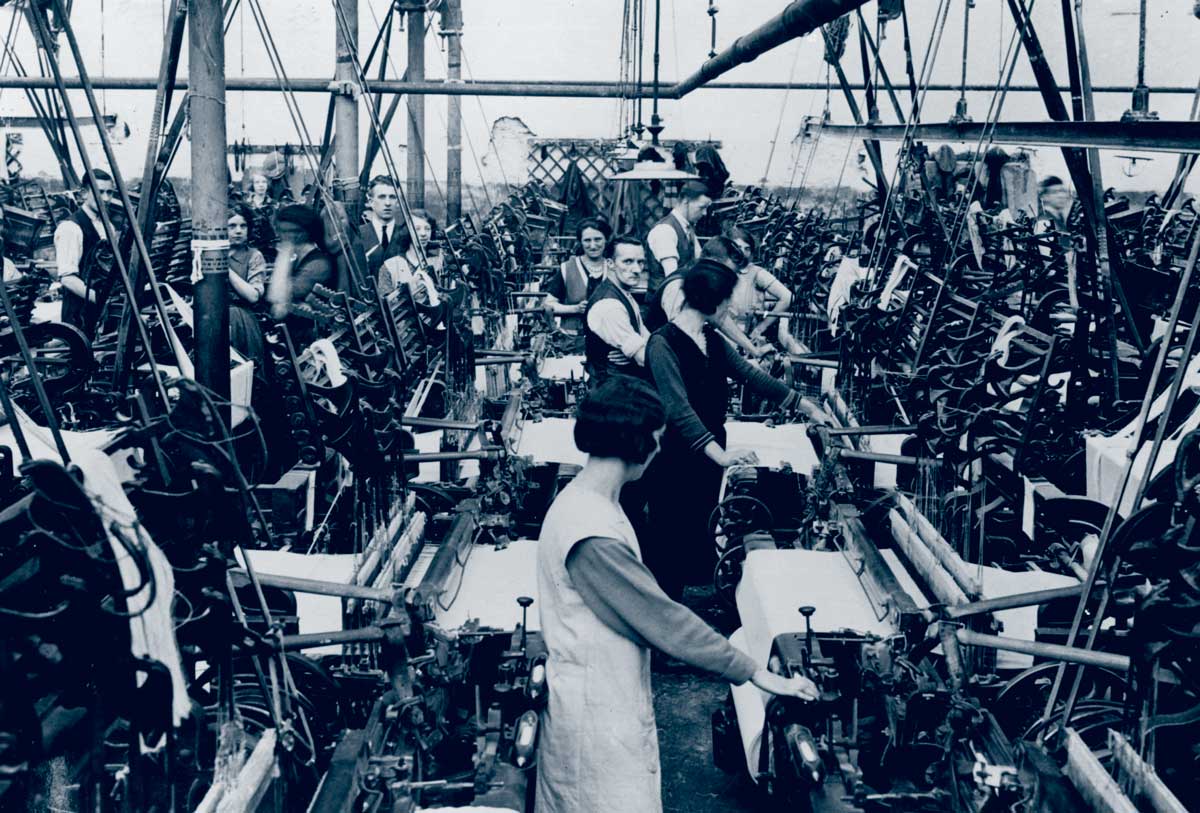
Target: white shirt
[(68, 244), (609, 320), (378, 225), (671, 299), (663, 243)]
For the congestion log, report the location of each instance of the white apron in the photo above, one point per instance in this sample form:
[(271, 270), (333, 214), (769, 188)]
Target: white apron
[(598, 751)]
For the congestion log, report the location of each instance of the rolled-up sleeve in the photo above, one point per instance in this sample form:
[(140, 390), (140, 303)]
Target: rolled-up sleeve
[(623, 594), (663, 243), (68, 248), (609, 321), (664, 368)]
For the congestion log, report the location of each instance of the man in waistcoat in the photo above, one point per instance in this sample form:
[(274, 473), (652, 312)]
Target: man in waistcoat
[(672, 244), (615, 336), (84, 284)]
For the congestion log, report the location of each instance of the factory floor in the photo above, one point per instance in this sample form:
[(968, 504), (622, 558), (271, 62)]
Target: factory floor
[(684, 700)]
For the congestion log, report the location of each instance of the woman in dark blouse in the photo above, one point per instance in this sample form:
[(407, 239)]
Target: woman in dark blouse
[(301, 264), (691, 364), (247, 280)]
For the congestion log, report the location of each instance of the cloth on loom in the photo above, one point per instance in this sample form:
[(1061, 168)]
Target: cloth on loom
[(848, 272), (488, 587), (316, 613), (325, 354), (1105, 455), (151, 627)]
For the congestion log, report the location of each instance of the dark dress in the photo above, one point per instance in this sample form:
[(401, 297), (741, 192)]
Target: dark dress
[(262, 228), (683, 483), (245, 333), (317, 267)]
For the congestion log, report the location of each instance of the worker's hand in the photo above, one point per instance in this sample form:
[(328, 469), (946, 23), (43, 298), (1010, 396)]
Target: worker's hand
[(580, 308), (795, 686), (813, 412), (766, 348), (738, 457)]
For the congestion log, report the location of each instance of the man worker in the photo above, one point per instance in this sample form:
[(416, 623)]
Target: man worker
[(614, 334), (84, 288), (378, 234), (671, 244)]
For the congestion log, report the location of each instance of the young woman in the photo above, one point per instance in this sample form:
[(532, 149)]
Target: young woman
[(301, 264), (567, 291), (601, 612), (247, 281), (261, 209), (754, 285), (406, 267), (691, 364)]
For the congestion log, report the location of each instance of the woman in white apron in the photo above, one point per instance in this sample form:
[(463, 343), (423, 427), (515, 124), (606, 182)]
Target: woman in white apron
[(601, 611)]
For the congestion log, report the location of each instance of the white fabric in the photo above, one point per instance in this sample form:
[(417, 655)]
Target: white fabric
[(775, 445), (198, 249), (488, 587), (550, 440), (152, 628), (326, 355), (11, 274), (599, 744), (1107, 456), (848, 272), (775, 582), (316, 613), (899, 271), (561, 368), (750, 706)]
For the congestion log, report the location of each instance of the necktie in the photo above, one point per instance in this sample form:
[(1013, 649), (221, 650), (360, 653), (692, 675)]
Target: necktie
[(383, 239)]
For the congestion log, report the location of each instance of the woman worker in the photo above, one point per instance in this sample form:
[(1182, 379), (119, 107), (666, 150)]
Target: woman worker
[(601, 611), (691, 364), (301, 264), (261, 209), (567, 291), (406, 268), (247, 281), (755, 284)]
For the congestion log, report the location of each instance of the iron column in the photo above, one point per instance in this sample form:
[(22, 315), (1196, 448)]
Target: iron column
[(345, 107), (416, 109), (206, 78), (452, 30)]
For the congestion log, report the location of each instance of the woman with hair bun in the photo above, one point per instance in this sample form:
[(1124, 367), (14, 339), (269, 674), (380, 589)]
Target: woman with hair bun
[(691, 364), (601, 612)]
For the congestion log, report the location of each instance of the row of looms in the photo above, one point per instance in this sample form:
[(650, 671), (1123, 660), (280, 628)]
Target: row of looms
[(311, 585)]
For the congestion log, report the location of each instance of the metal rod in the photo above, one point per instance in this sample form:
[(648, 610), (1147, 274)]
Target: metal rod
[(485, 453), (1148, 136), (992, 605), (312, 640), (508, 87), (809, 361), (1067, 654), (440, 423), (883, 457), (206, 69), (318, 587), (875, 429)]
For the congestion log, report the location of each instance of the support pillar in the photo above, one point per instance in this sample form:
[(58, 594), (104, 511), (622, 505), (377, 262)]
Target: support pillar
[(345, 108), (416, 110), (206, 79), (452, 30)]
